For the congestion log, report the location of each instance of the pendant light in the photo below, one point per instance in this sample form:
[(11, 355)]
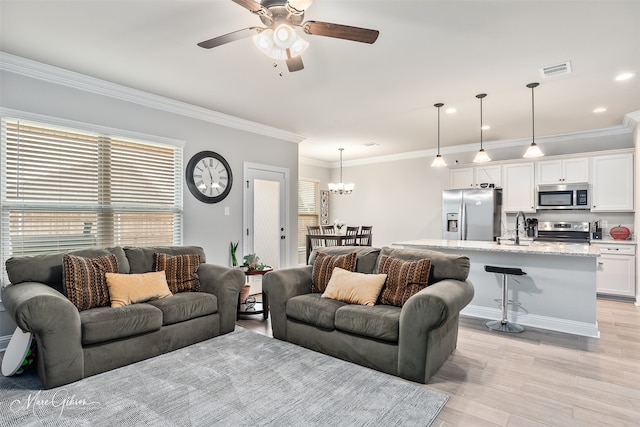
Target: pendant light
[(341, 187), (482, 155), (438, 162), (533, 150)]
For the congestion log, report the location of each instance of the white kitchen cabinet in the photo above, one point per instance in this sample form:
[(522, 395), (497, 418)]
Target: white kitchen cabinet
[(472, 177), (612, 183), (519, 187), (562, 171), (616, 270)]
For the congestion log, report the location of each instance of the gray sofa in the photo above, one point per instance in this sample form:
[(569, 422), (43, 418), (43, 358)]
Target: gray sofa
[(76, 344), (411, 341)]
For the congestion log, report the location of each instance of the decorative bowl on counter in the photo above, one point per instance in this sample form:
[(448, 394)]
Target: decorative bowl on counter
[(620, 233)]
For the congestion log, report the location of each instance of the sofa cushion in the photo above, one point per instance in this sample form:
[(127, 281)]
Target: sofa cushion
[(185, 306), (84, 281), (141, 259), (404, 279), (380, 322), (181, 271), (106, 323), (323, 266), (47, 268), (313, 309), (126, 289), (443, 266), (366, 256), (354, 288)]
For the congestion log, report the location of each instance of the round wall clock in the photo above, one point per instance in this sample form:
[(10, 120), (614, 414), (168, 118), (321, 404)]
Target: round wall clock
[(209, 177)]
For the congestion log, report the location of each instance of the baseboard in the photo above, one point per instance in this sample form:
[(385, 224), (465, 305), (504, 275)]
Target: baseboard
[(4, 342), (535, 321)]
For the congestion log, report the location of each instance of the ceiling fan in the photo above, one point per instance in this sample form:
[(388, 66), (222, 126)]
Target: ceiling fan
[(278, 39)]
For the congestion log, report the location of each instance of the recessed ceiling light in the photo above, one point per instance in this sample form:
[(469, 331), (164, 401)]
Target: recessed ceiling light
[(600, 110), (485, 127), (625, 76), (450, 110)]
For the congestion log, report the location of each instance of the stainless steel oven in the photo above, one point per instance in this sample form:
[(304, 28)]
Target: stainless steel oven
[(563, 196), (563, 232)]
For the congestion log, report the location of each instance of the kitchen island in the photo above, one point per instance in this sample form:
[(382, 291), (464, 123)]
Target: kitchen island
[(558, 292)]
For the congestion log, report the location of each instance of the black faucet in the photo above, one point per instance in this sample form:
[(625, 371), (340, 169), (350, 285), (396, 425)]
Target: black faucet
[(517, 241)]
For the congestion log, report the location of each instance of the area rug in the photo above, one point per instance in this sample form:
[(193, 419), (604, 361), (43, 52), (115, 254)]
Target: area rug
[(242, 378)]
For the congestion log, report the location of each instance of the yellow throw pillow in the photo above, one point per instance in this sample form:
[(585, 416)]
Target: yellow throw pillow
[(126, 289), (354, 288)]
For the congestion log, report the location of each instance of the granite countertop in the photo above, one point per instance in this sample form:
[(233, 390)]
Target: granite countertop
[(527, 246)]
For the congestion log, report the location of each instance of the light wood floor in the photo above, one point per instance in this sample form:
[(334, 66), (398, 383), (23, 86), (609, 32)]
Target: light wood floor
[(539, 378)]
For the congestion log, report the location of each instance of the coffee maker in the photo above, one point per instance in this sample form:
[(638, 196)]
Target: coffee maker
[(531, 227), (596, 230)]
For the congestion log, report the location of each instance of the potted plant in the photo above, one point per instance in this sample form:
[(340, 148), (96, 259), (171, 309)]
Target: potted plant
[(338, 223), (252, 262), (233, 247)]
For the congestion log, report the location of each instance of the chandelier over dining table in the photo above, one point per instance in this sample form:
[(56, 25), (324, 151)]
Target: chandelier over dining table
[(341, 187)]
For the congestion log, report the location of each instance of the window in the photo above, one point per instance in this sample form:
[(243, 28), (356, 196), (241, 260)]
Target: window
[(65, 189), (308, 210)]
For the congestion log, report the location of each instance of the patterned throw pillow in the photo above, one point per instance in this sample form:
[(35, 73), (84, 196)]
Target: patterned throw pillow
[(84, 280), (180, 271), (323, 267), (404, 279)]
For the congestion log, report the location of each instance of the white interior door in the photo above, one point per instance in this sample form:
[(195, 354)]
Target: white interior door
[(265, 213)]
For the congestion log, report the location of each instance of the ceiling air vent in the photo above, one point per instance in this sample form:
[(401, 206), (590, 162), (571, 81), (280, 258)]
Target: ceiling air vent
[(556, 69)]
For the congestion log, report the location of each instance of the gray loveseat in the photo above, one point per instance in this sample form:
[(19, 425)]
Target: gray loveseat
[(76, 344), (411, 341)]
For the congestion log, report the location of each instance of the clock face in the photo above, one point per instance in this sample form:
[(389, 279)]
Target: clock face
[(209, 177)]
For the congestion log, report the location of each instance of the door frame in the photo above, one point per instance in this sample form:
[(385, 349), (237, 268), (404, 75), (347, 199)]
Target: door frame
[(247, 167)]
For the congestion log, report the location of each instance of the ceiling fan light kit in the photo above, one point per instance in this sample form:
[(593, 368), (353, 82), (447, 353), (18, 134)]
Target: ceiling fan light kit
[(533, 150), (279, 40)]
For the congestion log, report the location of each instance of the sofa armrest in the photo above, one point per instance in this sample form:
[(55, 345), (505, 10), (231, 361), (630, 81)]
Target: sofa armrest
[(428, 310), (55, 322), (225, 283), (281, 285)]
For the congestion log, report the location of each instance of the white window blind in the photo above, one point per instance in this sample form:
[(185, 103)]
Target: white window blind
[(64, 189), (308, 208)]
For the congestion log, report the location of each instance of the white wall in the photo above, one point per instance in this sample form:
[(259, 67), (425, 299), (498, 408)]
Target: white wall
[(401, 199)]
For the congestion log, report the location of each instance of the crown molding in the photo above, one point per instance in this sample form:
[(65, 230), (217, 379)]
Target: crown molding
[(632, 120), (26, 67), (314, 162), (494, 145)]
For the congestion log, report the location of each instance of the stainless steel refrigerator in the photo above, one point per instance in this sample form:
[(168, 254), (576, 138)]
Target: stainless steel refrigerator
[(471, 214)]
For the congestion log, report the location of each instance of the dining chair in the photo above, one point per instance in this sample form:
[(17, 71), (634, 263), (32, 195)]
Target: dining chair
[(328, 229), (351, 236), (314, 230), (364, 239)]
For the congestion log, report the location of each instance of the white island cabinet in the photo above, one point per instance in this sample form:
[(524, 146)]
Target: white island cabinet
[(558, 292), (616, 269)]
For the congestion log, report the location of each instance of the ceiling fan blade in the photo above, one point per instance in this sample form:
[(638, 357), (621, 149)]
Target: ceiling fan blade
[(338, 31), (251, 5), (231, 37), (294, 63)]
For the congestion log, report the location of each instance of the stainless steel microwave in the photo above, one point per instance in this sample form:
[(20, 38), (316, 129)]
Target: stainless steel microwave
[(563, 196)]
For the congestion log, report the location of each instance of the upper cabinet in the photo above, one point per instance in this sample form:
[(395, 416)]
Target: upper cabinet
[(474, 177), (519, 189), (562, 171), (612, 183)]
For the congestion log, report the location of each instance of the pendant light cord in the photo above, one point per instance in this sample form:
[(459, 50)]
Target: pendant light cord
[(533, 117)]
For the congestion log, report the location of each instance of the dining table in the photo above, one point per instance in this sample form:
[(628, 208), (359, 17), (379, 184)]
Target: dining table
[(339, 240)]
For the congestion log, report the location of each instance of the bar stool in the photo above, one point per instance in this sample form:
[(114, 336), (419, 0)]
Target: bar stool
[(503, 325)]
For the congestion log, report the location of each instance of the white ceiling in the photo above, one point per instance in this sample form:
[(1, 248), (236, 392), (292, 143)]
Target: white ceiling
[(350, 93)]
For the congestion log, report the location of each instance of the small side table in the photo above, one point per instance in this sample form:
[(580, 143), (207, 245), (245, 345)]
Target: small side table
[(245, 308)]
